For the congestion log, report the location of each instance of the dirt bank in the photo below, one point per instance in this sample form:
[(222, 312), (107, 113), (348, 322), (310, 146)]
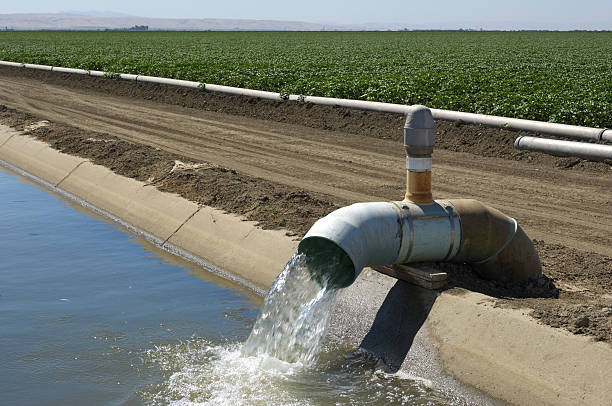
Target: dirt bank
[(285, 175)]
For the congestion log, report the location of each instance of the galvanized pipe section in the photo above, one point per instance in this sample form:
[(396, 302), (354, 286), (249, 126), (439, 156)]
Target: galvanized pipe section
[(237, 91), (172, 82), (12, 64), (354, 104), (97, 73), (128, 76), (70, 70), (584, 150), (383, 233), (35, 66), (561, 130)]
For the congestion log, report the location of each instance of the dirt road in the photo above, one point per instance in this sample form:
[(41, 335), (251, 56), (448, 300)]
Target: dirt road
[(561, 207)]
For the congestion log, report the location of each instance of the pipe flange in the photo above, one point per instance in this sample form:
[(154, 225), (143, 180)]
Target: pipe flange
[(404, 218), (451, 245)]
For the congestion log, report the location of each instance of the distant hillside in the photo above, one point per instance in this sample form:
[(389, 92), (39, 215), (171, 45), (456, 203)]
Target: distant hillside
[(66, 21)]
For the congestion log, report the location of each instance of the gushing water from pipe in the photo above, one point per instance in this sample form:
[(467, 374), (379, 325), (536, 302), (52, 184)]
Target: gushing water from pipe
[(296, 311)]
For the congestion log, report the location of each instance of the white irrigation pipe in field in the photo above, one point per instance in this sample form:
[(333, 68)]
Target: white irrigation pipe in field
[(560, 130), (584, 150)]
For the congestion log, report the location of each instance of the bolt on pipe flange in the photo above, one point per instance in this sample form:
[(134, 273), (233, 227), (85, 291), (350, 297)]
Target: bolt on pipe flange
[(419, 134)]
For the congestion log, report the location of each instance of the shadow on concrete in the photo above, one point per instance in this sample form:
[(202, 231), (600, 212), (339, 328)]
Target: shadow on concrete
[(407, 306), (397, 322)]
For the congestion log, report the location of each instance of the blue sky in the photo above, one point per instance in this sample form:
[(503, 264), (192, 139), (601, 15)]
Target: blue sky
[(559, 14)]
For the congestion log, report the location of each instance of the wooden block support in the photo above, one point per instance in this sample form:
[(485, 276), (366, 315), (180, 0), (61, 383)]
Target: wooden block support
[(425, 277)]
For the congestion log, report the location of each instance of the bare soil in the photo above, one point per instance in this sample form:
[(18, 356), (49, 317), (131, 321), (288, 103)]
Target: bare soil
[(287, 164)]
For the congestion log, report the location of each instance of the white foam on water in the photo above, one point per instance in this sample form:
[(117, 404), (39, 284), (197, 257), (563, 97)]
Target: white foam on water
[(203, 373), (410, 377), (220, 375)]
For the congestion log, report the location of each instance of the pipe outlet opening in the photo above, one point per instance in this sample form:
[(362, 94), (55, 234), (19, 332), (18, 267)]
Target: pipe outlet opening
[(327, 263)]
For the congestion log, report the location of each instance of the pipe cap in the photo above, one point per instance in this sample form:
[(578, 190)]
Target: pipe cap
[(419, 131)]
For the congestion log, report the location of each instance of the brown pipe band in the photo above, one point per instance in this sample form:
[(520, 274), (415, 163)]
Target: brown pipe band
[(419, 187)]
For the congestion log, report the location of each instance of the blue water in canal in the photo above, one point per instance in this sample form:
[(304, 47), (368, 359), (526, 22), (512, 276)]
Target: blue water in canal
[(91, 314), (81, 302)]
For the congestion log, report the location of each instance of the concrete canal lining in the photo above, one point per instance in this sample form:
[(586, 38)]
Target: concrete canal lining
[(36, 157), (502, 352), (496, 349), (225, 240)]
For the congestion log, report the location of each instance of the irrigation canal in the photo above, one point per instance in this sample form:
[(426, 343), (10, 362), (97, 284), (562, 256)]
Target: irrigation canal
[(92, 314)]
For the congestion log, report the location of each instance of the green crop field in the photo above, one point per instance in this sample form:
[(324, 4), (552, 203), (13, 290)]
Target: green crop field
[(549, 76)]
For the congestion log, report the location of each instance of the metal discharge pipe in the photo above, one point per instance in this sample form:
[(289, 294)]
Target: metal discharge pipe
[(420, 229), (462, 230), (561, 130), (594, 152)]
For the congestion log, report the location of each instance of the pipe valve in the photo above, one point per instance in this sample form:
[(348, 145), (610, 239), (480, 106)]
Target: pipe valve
[(419, 140)]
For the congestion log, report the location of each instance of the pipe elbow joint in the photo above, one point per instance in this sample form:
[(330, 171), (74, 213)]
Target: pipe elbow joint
[(517, 262), (356, 236), (494, 244)]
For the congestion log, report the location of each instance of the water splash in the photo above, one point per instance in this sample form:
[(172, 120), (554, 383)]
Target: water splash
[(201, 372), (295, 314)]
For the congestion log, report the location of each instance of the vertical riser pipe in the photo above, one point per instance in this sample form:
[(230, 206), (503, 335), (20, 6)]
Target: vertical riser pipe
[(419, 133)]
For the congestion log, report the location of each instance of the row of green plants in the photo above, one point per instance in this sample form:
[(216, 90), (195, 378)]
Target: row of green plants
[(563, 77)]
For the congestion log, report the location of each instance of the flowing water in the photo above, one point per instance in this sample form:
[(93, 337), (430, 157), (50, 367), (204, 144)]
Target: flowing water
[(92, 314), (294, 317)]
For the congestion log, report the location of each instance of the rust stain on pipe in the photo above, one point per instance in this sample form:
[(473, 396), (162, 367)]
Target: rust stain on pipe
[(418, 189)]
